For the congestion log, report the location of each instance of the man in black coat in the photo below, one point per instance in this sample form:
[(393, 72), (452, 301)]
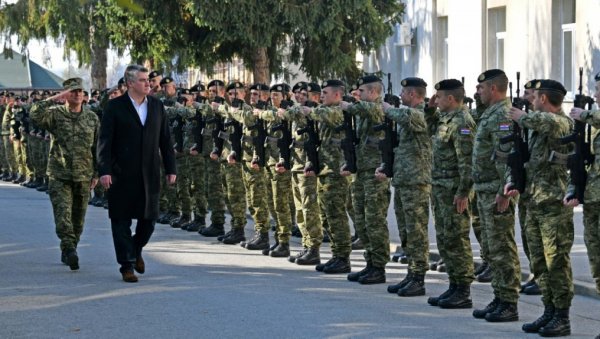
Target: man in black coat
[(134, 137)]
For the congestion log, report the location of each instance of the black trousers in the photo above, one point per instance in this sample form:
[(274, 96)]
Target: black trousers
[(128, 247)]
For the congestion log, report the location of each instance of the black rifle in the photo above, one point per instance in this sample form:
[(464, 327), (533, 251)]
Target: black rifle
[(258, 141), (467, 100), (284, 143), (350, 140), (582, 156), (235, 137), (386, 146), (218, 127), (198, 125), (311, 146), (519, 154)]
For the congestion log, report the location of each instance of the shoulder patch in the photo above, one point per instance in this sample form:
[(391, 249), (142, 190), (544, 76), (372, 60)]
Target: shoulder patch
[(504, 126), (465, 131)]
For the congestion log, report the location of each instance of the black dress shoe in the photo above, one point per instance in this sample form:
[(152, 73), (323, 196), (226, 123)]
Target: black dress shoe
[(503, 313), (340, 265), (375, 276)]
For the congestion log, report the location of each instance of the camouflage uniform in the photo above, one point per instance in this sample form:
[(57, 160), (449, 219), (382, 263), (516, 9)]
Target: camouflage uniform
[(475, 221), (412, 181), (71, 166), (8, 145), (498, 228), (176, 115), (451, 175), (170, 191), (371, 197)]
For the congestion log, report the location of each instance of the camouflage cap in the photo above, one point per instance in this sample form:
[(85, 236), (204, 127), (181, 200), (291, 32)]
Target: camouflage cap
[(551, 85), (531, 83), (73, 84), (332, 83), (413, 82), (448, 85), (490, 74)]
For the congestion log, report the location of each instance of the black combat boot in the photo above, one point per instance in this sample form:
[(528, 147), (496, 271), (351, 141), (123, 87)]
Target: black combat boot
[(281, 251), (357, 245), (19, 179), (375, 276), (292, 258), (525, 285), (100, 201), (533, 289), (63, 257), (441, 267), (503, 313), (266, 251), (486, 275), (480, 313), (433, 301), (237, 235), (228, 233), (356, 275), (184, 219), (27, 182), (482, 267), (260, 241), (340, 265), (196, 226), (214, 230), (461, 298), (311, 257), (72, 259), (415, 287), (296, 232), (540, 322), (44, 186), (559, 325), (433, 266), (37, 183), (395, 288)]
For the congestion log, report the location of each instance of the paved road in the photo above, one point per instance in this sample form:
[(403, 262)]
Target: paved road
[(197, 288)]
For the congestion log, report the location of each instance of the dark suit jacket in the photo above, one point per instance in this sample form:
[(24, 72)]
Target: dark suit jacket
[(130, 152)]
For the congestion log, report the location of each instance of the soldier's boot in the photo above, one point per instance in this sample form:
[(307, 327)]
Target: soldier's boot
[(356, 275), (39, 182), (341, 265), (415, 287), (19, 179), (481, 313), (375, 276), (482, 267), (237, 235), (221, 237), (92, 201), (540, 322), (100, 201), (311, 257), (214, 230), (533, 289), (441, 267), (527, 284), (272, 247), (292, 258), (281, 251), (72, 260), (325, 236), (434, 265), (105, 204), (461, 298), (396, 287), (357, 245), (260, 241), (184, 219), (196, 226), (44, 186), (161, 217), (27, 182), (503, 313), (63, 257), (397, 257), (433, 301), (296, 232), (486, 275), (559, 326), (3, 175)]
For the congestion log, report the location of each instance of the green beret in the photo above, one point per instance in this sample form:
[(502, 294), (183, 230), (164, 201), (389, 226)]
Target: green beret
[(298, 86), (332, 83), (551, 85), (490, 74), (368, 79), (597, 77), (259, 87), (413, 82), (448, 85), (73, 84), (166, 80), (531, 83), (236, 85), (217, 83), (313, 87), (153, 75), (282, 88)]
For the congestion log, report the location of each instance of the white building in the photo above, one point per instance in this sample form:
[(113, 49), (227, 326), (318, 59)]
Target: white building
[(461, 38)]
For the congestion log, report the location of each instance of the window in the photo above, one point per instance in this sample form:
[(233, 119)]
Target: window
[(496, 33), (566, 18), (441, 65)]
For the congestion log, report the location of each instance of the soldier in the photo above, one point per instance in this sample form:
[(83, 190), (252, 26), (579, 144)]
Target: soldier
[(16, 114), (371, 196), (451, 188), (4, 166), (71, 165), (155, 79), (549, 224), (412, 182), (495, 209)]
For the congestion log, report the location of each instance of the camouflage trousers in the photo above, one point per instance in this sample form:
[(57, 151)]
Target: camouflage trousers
[(256, 193), (309, 210), (197, 186), (236, 194), (270, 203), (400, 222), (476, 225), (215, 192), (349, 206), (183, 185), (281, 186), (3, 161), (69, 203), (333, 192), (9, 153), (371, 200), (20, 157), (170, 196), (522, 214), (498, 233), (36, 150), (550, 234), (415, 206), (452, 235), (298, 215), (591, 236)]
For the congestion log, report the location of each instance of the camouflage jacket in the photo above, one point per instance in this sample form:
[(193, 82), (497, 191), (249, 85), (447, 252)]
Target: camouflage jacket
[(490, 175), (368, 115), (6, 121), (412, 157), (245, 115), (545, 180), (592, 188), (294, 114), (73, 144), (452, 150), (331, 156), (270, 116)]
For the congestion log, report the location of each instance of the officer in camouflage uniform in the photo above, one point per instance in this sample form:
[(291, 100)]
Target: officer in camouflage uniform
[(412, 181), (496, 210), (4, 167), (71, 164), (451, 189), (371, 196), (549, 224), (301, 96), (7, 138)]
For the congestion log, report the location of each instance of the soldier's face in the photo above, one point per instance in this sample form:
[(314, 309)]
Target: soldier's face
[(301, 97), (365, 93), (538, 101), (75, 97), (215, 91), (276, 98), (155, 83), (528, 95), (484, 91), (169, 89), (236, 94), (329, 96), (254, 97)]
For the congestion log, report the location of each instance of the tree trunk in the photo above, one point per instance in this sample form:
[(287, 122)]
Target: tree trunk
[(260, 66), (98, 66)]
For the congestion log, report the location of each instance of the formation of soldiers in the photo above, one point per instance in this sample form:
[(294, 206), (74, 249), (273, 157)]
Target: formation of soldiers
[(315, 156)]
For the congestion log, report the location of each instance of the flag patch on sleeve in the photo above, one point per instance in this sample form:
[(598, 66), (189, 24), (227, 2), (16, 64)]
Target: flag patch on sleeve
[(465, 131), (504, 127)]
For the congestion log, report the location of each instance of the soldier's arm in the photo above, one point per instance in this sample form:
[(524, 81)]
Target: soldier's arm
[(270, 114), (330, 115), (543, 122), (42, 116), (408, 118), (243, 115), (503, 127), (367, 110), (463, 146), (432, 116), (591, 118)]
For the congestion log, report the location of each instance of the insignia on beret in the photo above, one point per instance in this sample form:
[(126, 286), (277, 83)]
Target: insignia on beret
[(259, 87), (235, 84), (437, 86), (360, 82), (308, 88), (324, 84), (481, 77), (448, 85), (166, 80), (153, 74), (403, 83), (490, 74), (280, 88), (529, 84), (538, 85), (185, 91), (298, 86)]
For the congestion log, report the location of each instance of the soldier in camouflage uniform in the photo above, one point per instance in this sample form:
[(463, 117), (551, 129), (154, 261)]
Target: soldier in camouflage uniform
[(549, 224), (412, 181), (4, 167), (71, 164), (495, 209), (451, 189), (371, 196), (7, 138)]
